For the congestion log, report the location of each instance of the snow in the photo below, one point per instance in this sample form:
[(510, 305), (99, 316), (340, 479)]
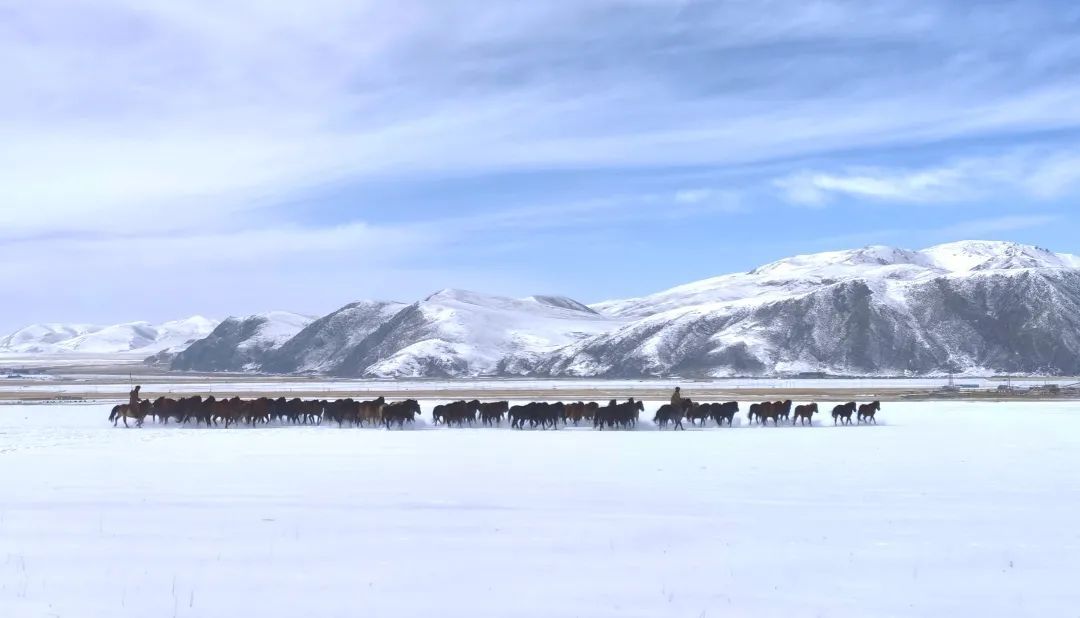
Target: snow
[(892, 267), (277, 328), (193, 384), (135, 338), (38, 337), (476, 331), (944, 509), (971, 255)]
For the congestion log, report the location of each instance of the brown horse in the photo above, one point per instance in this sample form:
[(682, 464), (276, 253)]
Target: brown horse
[(125, 411), (764, 411), (724, 411), (371, 411), (699, 412), (668, 413), (783, 410), (399, 412), (493, 411), (805, 414), (165, 408), (867, 411), (576, 412)]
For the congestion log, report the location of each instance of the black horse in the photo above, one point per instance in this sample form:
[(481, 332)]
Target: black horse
[(842, 413)]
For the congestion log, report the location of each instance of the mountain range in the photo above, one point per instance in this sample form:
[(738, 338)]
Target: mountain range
[(136, 339), (967, 307)]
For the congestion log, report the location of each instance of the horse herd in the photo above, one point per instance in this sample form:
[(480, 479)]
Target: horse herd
[(537, 415)]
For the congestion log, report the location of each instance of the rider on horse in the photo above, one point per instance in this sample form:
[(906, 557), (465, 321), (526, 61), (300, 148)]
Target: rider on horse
[(133, 399)]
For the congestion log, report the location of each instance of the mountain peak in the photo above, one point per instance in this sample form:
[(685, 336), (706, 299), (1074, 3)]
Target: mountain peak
[(869, 256), (982, 255), (140, 337), (561, 302)]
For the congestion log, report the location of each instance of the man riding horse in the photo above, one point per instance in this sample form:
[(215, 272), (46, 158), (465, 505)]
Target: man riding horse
[(133, 398), (677, 399)]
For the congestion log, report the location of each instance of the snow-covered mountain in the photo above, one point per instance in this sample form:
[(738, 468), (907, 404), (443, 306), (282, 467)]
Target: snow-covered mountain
[(459, 333), (239, 344), (38, 338), (974, 307), (324, 343), (450, 333), (969, 306), (805, 273), (133, 338)]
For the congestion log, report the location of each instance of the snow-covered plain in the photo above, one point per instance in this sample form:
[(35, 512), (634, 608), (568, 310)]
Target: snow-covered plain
[(943, 509), (106, 386)]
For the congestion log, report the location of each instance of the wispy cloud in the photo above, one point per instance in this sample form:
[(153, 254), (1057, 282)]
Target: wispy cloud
[(151, 136), (1034, 174), (130, 108)]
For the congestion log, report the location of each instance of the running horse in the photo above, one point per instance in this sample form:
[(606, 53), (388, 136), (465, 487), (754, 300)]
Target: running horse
[(125, 411), (804, 414), (867, 411), (843, 413)]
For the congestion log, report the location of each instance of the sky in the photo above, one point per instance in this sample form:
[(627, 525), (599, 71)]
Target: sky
[(160, 159)]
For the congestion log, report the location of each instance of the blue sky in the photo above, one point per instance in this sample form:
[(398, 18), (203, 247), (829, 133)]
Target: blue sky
[(168, 158)]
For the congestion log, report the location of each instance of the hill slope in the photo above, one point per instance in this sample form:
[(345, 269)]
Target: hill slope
[(239, 344), (461, 333), (969, 306), (133, 338)]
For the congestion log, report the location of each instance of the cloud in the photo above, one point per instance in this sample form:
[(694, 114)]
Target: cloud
[(123, 112), (929, 185), (181, 142), (1030, 173)]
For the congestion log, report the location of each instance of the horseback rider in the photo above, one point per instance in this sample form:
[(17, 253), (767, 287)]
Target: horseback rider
[(677, 399), (133, 399)]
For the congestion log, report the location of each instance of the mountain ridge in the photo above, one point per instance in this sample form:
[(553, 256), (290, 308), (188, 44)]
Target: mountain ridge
[(134, 338), (968, 306)]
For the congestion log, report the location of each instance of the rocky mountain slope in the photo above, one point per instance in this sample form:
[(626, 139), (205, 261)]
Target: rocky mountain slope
[(977, 307), (324, 344), (460, 333), (239, 344)]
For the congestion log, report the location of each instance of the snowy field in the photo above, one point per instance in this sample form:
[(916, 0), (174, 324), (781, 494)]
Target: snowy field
[(106, 386), (962, 509)]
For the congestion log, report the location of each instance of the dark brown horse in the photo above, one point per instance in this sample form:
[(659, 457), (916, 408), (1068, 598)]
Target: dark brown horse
[(399, 412), (698, 412), (623, 415), (668, 413), (165, 408), (576, 412), (867, 411), (764, 411), (492, 412), (724, 412), (842, 413), (783, 410), (805, 414)]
